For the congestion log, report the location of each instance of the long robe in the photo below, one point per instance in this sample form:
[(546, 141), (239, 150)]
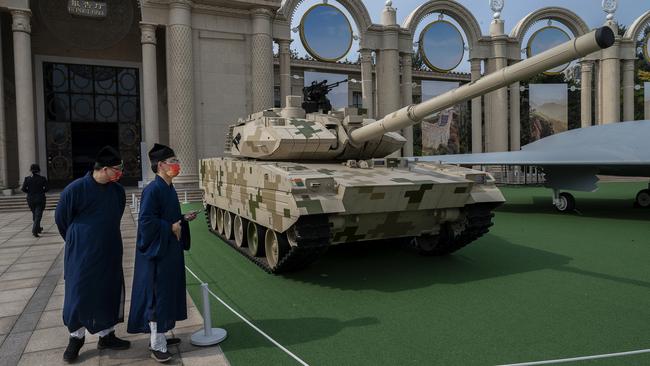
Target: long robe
[(158, 292), (88, 217)]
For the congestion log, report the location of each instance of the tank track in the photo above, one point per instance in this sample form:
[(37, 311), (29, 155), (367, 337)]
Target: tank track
[(479, 221), (313, 239)]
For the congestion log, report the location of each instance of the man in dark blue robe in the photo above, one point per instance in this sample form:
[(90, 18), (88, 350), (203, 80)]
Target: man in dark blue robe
[(88, 217), (158, 294)]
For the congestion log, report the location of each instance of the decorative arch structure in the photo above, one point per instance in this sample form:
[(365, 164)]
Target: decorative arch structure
[(638, 26), (451, 8), (571, 20), (356, 8)]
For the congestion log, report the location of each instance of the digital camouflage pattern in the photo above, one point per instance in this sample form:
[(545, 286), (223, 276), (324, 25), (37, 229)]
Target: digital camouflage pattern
[(378, 202)]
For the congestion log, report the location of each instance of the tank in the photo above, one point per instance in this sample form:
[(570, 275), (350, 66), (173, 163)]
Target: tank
[(292, 183)]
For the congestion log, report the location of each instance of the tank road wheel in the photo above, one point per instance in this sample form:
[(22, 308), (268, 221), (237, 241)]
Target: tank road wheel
[(219, 221), (239, 227), (276, 247), (227, 223), (427, 244), (255, 237), (642, 199), (565, 202), (213, 218)]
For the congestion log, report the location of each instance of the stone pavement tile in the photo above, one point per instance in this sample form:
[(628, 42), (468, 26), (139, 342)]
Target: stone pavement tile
[(88, 356), (14, 284), (32, 252), (19, 275), (152, 362), (36, 258), (31, 266), (3, 268), (6, 323), (50, 319), (139, 351), (55, 303), (50, 338), (7, 261), (205, 356), (214, 355), (12, 308), (12, 348), (17, 294), (2, 338), (8, 251), (26, 322), (59, 290)]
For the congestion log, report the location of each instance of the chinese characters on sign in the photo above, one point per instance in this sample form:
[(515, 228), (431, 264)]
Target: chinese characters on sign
[(87, 8)]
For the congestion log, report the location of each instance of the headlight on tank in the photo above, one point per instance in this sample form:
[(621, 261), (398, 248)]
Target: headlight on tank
[(479, 178)]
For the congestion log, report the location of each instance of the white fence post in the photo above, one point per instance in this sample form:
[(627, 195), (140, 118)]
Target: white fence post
[(208, 336)]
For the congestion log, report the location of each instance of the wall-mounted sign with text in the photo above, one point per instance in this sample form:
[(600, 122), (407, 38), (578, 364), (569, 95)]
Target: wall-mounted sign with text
[(87, 8)]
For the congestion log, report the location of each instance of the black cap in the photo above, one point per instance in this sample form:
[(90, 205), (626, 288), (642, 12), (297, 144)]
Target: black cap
[(108, 156), (34, 168), (160, 152)]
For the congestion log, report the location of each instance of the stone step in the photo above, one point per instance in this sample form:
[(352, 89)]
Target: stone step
[(18, 203)]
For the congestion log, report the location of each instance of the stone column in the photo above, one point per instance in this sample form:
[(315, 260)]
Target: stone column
[(285, 69), (611, 86), (407, 99), (262, 60), (3, 124), (25, 123), (366, 81), (498, 126), (515, 117), (628, 90), (477, 113), (180, 90), (586, 82), (389, 93), (150, 91)]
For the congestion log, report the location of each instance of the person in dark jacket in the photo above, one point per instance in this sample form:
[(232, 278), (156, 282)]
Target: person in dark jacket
[(35, 186), (88, 217), (158, 293)]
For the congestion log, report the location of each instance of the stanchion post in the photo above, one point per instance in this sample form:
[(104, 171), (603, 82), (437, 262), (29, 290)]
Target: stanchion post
[(208, 336), (185, 201), (132, 200)]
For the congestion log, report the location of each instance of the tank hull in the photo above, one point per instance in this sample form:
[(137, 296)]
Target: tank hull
[(353, 202)]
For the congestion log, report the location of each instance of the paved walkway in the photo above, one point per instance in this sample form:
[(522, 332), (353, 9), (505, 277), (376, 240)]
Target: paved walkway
[(31, 299)]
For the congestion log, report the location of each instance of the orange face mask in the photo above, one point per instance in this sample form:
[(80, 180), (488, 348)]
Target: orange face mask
[(174, 169)]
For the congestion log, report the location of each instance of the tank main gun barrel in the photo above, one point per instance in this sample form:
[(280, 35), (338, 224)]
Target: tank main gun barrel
[(579, 47)]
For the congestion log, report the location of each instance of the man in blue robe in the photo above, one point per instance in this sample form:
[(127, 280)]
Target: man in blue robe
[(88, 217), (158, 294)]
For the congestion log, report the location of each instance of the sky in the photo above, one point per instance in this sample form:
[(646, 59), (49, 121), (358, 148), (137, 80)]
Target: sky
[(589, 10)]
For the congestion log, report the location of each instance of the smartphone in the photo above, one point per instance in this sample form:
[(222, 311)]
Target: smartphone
[(194, 212)]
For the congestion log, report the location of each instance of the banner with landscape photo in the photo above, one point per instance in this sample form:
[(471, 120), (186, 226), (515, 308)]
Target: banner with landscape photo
[(440, 131), (549, 112), (646, 100)]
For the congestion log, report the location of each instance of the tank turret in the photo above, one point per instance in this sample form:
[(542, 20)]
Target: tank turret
[(296, 183), (293, 134)]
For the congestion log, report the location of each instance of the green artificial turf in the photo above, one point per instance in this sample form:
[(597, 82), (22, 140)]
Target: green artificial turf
[(540, 285)]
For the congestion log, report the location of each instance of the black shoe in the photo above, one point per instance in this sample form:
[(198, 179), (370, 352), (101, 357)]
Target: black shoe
[(112, 342), (36, 235), (40, 229), (72, 351), (173, 341), (161, 356)]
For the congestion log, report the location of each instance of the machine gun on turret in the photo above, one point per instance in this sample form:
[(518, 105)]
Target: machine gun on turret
[(315, 96)]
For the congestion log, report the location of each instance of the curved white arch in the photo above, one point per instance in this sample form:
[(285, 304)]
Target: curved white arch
[(637, 26), (571, 20), (451, 8), (356, 8)]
